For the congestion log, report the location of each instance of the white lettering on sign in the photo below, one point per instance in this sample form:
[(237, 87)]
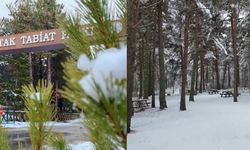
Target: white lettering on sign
[(36, 38), (7, 42), (64, 35), (52, 35)]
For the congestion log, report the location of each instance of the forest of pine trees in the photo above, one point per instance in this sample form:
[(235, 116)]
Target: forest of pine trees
[(189, 46)]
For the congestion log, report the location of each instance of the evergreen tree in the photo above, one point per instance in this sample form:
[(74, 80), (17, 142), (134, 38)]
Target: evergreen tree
[(133, 12), (162, 81), (184, 55), (105, 116)]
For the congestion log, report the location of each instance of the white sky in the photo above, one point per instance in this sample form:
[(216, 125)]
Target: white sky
[(69, 6)]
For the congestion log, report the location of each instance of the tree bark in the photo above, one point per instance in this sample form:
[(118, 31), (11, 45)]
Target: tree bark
[(207, 74), (153, 78), (203, 79), (238, 69), (49, 68), (141, 47), (201, 71), (197, 75), (150, 72), (31, 68), (234, 40), (192, 90), (195, 59), (249, 63), (133, 7), (217, 73), (162, 83), (229, 76), (184, 56), (248, 57), (153, 59), (224, 76), (40, 67), (146, 67)]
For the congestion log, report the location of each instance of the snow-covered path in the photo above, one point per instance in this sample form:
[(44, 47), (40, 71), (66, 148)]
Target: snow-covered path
[(210, 123)]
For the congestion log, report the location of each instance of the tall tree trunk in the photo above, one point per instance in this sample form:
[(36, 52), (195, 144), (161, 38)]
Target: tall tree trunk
[(197, 75), (203, 79), (153, 78), (49, 68), (217, 73), (201, 71), (31, 68), (229, 76), (150, 72), (224, 76), (41, 67), (141, 55), (249, 62), (162, 83), (153, 59), (207, 74), (195, 55), (184, 56), (238, 71), (248, 56), (146, 67), (234, 40), (213, 79), (133, 7), (195, 65)]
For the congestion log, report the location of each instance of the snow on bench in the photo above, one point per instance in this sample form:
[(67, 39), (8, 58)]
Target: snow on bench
[(227, 94), (141, 104)]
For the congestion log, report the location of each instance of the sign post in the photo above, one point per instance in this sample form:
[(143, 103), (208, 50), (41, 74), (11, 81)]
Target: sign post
[(44, 40)]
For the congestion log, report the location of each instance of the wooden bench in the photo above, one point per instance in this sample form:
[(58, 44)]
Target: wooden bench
[(227, 94), (213, 91), (141, 104)]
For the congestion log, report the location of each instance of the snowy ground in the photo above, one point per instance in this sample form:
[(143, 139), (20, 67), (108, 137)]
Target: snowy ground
[(82, 146), (18, 124), (210, 123), (72, 124)]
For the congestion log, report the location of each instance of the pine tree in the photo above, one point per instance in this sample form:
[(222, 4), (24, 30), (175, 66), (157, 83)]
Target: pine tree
[(162, 81), (104, 116), (39, 111), (184, 56), (196, 33), (4, 140), (133, 10), (235, 57)]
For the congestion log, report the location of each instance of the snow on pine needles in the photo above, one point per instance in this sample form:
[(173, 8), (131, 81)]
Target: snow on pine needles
[(108, 66), (210, 123)]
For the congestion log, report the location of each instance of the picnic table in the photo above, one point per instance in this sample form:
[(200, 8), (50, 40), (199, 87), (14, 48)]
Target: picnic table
[(213, 91), (227, 93), (140, 104)]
